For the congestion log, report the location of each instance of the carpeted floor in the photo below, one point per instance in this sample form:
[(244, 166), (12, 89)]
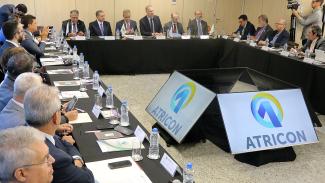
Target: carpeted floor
[(210, 163)]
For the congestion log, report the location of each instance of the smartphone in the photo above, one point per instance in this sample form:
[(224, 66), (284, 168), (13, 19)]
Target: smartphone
[(120, 164), (71, 104), (123, 130), (104, 126)]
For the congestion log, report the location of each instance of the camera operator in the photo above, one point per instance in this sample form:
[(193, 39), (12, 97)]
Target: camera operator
[(315, 18)]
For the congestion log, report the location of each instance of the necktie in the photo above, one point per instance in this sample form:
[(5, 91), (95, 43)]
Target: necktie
[(128, 26), (152, 25), (199, 28), (101, 28), (258, 35), (275, 38), (74, 28), (174, 28)]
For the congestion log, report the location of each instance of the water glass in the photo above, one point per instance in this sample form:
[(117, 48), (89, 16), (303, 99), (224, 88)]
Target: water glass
[(136, 150)]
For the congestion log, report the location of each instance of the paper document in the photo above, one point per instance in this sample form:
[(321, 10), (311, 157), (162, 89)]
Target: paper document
[(66, 83), (103, 174), (60, 71), (82, 118), (70, 94), (113, 145)]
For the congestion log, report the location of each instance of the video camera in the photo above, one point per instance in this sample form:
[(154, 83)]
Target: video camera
[(293, 4)]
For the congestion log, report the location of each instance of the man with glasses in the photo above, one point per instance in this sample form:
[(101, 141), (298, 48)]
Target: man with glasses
[(280, 36), (315, 18), (13, 32), (43, 111), (24, 156), (73, 27)]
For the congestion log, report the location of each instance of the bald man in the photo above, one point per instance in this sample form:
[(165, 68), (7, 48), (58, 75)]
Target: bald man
[(198, 26), (173, 26), (280, 36)]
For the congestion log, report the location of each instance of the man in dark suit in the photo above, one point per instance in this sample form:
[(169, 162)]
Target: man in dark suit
[(126, 26), (100, 27), (173, 27), (42, 111), (245, 27), (315, 40), (150, 25), (9, 10), (280, 36), (264, 30), (197, 26), (13, 32), (34, 46), (73, 26)]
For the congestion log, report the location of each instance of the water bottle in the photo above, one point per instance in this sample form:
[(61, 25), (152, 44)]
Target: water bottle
[(117, 34), (285, 47), (124, 114), (189, 32), (95, 81), (75, 54), (188, 173), (81, 60), (88, 34), (86, 70), (307, 53), (109, 97), (267, 42), (248, 37), (65, 47), (154, 145)]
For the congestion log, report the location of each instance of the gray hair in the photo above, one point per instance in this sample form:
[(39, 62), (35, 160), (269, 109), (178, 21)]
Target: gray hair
[(98, 12), (126, 11), (74, 12), (25, 82), (148, 6), (15, 149), (40, 104), (264, 18), (20, 63)]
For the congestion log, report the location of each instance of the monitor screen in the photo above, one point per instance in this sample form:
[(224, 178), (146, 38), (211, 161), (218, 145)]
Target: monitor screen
[(179, 104), (256, 121)]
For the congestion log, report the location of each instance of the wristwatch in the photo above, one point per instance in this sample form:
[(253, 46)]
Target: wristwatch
[(78, 158)]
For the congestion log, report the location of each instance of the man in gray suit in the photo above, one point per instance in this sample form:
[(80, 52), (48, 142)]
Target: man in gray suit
[(174, 28), (264, 30), (126, 26), (315, 40), (34, 46), (198, 26)]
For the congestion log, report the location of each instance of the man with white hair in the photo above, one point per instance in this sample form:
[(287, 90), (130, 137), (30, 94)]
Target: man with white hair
[(150, 24), (24, 156), (43, 111), (174, 27), (13, 114)]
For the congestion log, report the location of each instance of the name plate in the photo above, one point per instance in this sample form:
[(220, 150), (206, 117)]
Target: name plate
[(160, 37), (109, 38), (285, 53), (169, 164), (138, 38), (309, 60), (225, 37), (80, 38), (96, 111), (204, 37), (236, 39), (265, 48), (186, 37), (253, 44), (140, 134), (101, 91)]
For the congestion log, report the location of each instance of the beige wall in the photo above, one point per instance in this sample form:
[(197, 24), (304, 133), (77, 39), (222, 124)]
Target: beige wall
[(53, 12)]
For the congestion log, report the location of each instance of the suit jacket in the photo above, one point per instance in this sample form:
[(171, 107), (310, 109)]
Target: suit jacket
[(268, 31), (320, 45), (95, 30), (67, 27), (64, 169), (33, 48), (192, 25), (282, 39), (6, 91), (6, 46), (5, 11), (244, 31), (145, 26), (168, 26), (12, 116), (119, 25)]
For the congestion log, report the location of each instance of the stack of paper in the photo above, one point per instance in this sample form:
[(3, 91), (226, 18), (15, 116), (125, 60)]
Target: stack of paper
[(51, 61), (60, 71), (70, 94), (113, 145), (82, 118), (66, 83)]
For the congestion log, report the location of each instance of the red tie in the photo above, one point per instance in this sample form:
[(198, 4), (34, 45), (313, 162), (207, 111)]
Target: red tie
[(174, 28)]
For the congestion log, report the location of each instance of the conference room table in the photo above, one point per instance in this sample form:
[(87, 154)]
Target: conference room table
[(86, 142), (164, 56)]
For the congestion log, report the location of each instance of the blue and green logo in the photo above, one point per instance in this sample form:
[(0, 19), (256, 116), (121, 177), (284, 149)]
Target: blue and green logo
[(183, 97), (265, 103)]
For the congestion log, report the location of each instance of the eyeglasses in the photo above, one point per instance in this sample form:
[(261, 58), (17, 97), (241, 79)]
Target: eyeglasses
[(47, 159)]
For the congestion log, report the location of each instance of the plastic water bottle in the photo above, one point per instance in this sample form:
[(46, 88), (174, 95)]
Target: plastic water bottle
[(307, 53), (267, 42), (189, 32), (188, 173), (109, 97), (81, 61), (285, 47), (65, 47), (86, 70), (88, 34), (124, 114), (117, 34), (154, 145), (95, 80), (248, 37)]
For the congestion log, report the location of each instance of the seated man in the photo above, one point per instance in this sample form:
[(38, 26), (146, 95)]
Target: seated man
[(13, 31), (24, 156), (245, 27), (197, 26), (43, 111), (150, 25), (126, 26), (17, 64), (13, 114), (100, 27), (173, 27), (30, 43), (315, 40), (280, 36), (73, 26), (264, 30)]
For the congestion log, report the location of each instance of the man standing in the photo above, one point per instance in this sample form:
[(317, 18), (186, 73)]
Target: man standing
[(8, 10), (173, 27), (197, 26), (150, 25), (245, 27), (73, 26), (315, 18), (100, 27), (126, 26)]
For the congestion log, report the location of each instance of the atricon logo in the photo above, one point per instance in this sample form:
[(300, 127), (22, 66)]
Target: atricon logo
[(183, 97), (267, 110)]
